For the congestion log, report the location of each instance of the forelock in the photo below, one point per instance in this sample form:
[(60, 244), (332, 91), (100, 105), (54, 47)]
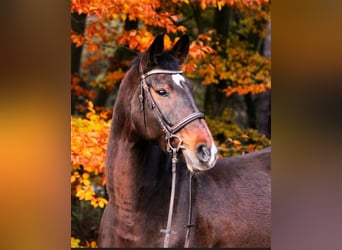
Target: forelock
[(168, 61)]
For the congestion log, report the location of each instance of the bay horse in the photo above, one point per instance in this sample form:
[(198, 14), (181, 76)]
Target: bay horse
[(165, 185)]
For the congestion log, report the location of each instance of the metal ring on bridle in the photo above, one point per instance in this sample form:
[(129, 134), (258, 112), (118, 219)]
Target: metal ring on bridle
[(169, 142)]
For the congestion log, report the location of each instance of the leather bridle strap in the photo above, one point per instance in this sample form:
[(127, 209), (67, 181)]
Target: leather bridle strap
[(189, 225), (181, 124), (161, 71)]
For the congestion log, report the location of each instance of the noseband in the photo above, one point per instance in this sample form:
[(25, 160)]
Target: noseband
[(169, 131)]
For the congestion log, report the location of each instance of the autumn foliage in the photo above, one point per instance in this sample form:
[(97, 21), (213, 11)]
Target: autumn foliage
[(89, 139), (234, 62), (105, 29)]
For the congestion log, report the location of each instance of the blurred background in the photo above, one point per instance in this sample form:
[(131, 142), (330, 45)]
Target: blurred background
[(35, 134)]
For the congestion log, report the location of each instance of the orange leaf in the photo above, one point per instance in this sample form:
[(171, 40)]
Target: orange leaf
[(93, 48)]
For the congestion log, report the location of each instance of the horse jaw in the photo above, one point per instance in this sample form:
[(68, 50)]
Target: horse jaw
[(194, 165)]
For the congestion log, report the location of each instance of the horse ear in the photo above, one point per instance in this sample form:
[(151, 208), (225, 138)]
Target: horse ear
[(149, 58), (181, 49)]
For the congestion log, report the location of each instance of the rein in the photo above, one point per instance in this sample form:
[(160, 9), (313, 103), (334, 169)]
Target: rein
[(170, 131)]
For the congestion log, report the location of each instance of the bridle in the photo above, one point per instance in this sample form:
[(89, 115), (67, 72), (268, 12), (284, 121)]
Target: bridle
[(170, 134), (169, 130)]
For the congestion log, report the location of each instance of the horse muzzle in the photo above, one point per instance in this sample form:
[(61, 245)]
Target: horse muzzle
[(203, 159)]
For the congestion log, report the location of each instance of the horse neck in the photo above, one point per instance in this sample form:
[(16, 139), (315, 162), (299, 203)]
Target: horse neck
[(131, 172), (138, 170)]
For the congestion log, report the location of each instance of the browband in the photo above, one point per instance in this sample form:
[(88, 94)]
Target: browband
[(160, 71)]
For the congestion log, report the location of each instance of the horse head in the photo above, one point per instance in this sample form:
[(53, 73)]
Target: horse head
[(163, 107)]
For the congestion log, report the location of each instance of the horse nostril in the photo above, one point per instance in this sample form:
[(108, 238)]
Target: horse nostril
[(203, 153)]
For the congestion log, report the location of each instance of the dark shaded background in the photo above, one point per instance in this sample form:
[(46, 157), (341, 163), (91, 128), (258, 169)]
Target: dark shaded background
[(306, 125)]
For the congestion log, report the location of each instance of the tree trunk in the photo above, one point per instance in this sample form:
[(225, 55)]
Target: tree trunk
[(263, 100), (251, 109), (77, 25), (222, 23), (215, 100), (263, 113)]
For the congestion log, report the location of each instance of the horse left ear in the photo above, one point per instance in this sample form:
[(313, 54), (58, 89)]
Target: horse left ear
[(181, 49), (150, 57)]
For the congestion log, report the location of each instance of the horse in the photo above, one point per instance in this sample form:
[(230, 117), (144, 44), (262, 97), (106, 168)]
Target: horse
[(166, 186)]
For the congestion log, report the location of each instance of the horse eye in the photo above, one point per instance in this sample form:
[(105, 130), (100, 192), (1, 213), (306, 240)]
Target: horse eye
[(162, 92)]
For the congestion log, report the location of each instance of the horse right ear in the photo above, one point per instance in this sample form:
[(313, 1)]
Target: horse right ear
[(150, 57), (181, 49)]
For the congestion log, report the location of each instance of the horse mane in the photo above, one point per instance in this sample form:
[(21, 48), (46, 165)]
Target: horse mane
[(157, 168)]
